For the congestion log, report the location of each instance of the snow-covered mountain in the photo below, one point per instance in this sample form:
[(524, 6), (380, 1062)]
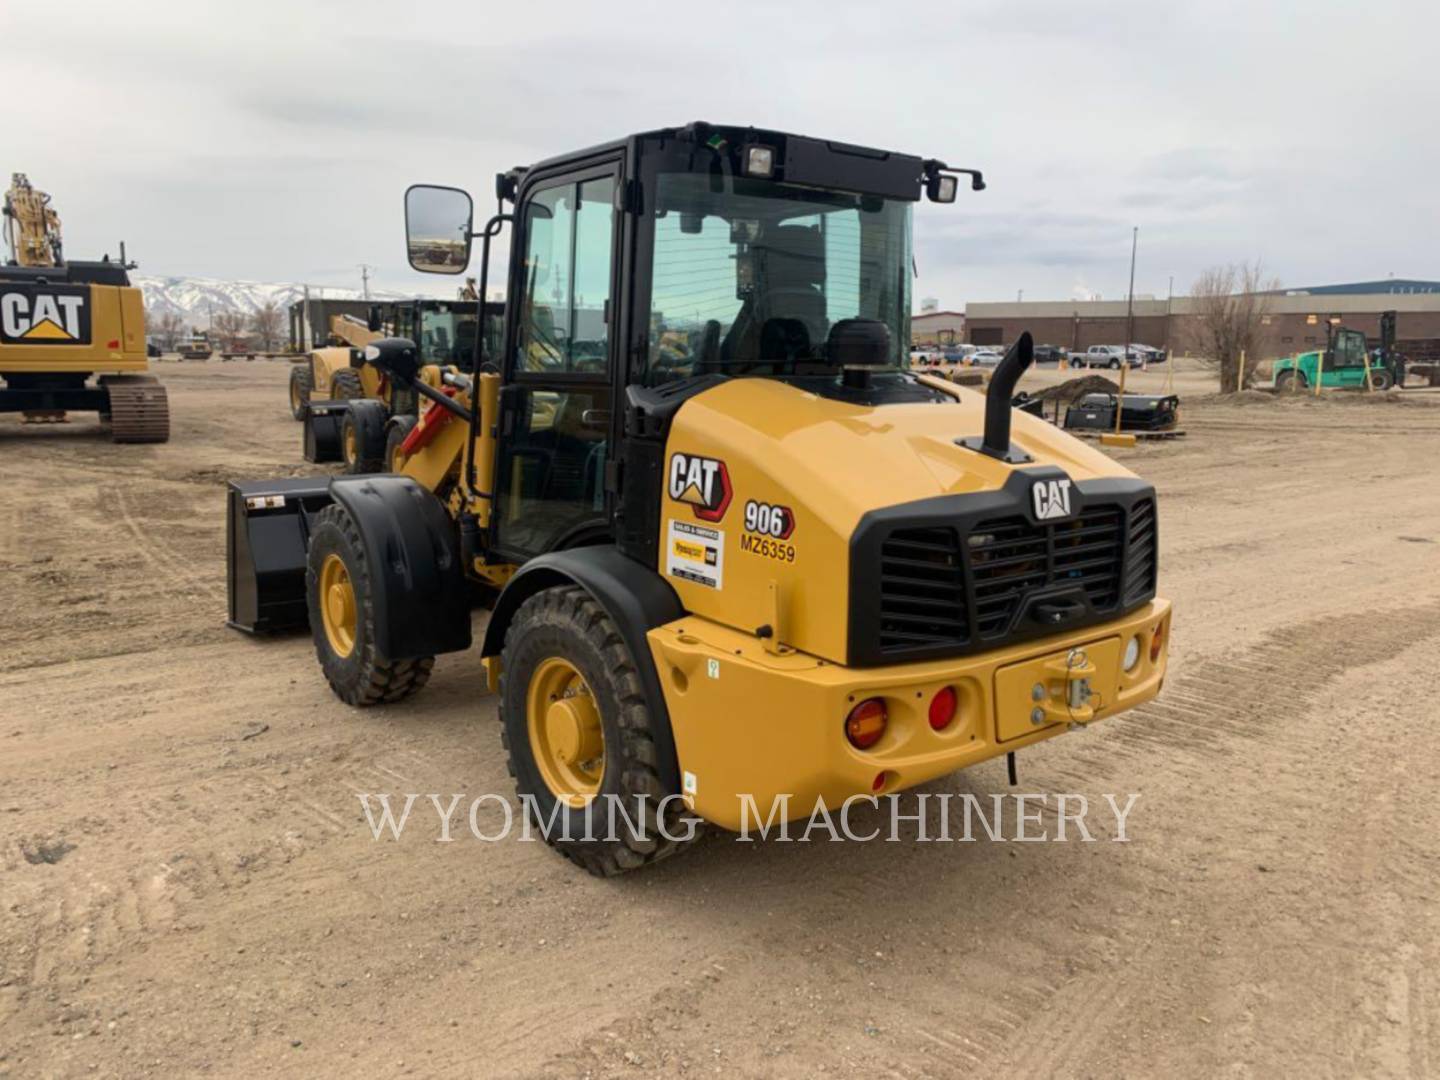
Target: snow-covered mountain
[(195, 299)]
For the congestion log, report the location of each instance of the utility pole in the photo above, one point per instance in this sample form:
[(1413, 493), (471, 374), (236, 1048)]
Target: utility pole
[(1130, 300), (1129, 328), (1020, 296), (365, 269)]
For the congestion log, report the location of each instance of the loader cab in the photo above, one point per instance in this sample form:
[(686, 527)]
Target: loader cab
[(664, 261)]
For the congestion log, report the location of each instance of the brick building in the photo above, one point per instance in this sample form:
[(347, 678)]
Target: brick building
[(1295, 322), (931, 328)]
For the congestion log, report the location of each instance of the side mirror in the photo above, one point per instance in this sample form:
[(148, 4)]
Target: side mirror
[(438, 224)]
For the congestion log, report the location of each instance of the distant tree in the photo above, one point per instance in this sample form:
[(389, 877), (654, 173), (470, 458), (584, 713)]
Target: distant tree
[(266, 324), (230, 329), (1230, 303), (165, 327)]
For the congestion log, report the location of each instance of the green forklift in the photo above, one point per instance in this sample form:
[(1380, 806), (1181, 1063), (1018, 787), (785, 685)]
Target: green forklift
[(1345, 361)]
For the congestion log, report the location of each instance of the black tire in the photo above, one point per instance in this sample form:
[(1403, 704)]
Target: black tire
[(302, 382), (362, 437), (360, 676), (345, 386), (395, 434), (566, 623), (1114, 365), (1381, 379), (1289, 380)]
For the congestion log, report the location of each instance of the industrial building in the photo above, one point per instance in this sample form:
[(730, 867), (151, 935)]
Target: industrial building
[(1295, 320), (932, 328)]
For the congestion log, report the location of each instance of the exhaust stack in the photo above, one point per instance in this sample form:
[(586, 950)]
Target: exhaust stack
[(996, 440)]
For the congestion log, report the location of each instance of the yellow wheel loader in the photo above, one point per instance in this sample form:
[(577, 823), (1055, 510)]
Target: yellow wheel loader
[(64, 323), (353, 413), (738, 557)]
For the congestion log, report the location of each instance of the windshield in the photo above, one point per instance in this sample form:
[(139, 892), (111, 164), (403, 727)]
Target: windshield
[(449, 338), (752, 279)]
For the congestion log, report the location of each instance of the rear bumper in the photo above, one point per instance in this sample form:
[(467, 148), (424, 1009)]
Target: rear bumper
[(757, 726)]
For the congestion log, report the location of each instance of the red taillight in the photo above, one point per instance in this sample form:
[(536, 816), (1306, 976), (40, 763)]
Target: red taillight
[(942, 708), (866, 723), (1157, 642), (113, 344)]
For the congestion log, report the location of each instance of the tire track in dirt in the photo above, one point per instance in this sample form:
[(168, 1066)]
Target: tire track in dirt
[(1212, 714)]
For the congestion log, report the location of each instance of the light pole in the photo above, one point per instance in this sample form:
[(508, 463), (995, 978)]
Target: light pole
[(1129, 328)]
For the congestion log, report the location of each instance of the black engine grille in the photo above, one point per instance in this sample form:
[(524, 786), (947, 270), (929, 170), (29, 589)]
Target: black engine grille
[(922, 590), (947, 588), (1140, 569)]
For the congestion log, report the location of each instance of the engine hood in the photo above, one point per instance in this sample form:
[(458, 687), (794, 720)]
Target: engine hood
[(766, 483)]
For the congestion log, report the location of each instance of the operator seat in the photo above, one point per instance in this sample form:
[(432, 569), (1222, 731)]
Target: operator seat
[(792, 276)]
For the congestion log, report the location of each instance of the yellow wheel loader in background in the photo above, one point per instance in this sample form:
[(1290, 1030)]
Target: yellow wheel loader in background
[(64, 322), (353, 413), (735, 552)]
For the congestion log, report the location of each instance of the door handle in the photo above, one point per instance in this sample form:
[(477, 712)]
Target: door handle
[(595, 418)]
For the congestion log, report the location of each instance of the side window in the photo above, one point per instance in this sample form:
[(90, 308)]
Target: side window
[(565, 303)]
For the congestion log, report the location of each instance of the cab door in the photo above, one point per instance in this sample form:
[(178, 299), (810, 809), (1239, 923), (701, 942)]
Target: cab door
[(1345, 359), (557, 403)]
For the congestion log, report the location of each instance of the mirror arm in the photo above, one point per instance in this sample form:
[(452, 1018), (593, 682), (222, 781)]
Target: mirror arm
[(491, 230)]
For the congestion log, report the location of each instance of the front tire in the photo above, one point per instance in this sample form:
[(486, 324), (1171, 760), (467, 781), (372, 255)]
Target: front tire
[(340, 598), (1381, 379), (578, 733), (362, 437), (302, 381), (396, 433), (1289, 381), (345, 385)]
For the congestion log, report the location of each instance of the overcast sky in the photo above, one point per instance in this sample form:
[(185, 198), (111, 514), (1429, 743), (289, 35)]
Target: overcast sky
[(273, 141)]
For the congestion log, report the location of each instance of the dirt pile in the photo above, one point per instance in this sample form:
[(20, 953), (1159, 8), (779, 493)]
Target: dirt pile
[(1074, 389)]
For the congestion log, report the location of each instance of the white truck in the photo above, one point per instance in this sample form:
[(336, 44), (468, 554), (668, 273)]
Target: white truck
[(1105, 356)]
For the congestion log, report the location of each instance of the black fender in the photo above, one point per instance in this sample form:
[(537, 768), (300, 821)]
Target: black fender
[(632, 594), (422, 604)]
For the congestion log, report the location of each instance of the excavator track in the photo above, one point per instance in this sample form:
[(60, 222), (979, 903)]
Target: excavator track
[(139, 409)]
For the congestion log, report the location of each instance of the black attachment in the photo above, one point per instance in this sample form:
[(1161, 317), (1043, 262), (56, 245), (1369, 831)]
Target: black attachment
[(996, 441), (1010, 766), (267, 531), (322, 430)]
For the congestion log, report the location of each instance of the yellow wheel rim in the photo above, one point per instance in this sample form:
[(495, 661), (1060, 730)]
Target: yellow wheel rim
[(337, 605), (566, 738), (349, 445), (397, 459), (294, 396)]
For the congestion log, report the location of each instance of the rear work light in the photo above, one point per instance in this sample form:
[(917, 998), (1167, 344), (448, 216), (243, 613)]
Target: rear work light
[(866, 723), (942, 708), (1157, 642)]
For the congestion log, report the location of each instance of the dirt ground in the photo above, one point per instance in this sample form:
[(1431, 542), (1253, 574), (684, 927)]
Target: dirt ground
[(187, 884)]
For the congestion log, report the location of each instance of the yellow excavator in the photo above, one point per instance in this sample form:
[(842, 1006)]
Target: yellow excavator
[(738, 556), (64, 322)]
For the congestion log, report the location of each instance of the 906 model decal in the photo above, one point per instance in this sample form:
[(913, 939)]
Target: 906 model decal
[(769, 520), (767, 527)]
